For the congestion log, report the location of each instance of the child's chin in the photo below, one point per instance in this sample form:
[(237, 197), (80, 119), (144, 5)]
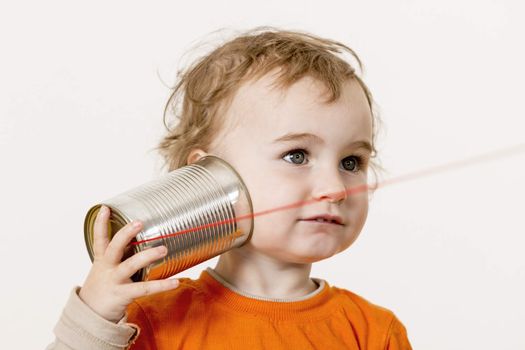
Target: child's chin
[(312, 258)]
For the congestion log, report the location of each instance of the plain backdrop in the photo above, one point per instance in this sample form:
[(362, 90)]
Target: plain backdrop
[(82, 91)]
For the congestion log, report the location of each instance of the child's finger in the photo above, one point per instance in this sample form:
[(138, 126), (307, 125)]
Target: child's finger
[(118, 244), (100, 234), (136, 262), (140, 289)]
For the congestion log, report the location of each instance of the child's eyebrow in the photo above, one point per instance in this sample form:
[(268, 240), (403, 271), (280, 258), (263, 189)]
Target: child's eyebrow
[(299, 137), (314, 138)]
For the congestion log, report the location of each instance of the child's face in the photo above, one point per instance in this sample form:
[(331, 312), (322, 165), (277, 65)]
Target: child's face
[(317, 165)]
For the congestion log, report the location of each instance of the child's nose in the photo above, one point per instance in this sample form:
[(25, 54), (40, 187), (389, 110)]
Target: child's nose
[(329, 186)]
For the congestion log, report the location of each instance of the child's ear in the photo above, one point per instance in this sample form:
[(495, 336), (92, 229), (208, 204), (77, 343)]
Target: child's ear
[(195, 155)]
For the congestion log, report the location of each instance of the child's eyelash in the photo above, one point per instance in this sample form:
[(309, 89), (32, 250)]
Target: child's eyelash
[(296, 150)]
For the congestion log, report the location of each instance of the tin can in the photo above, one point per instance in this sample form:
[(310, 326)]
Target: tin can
[(197, 211)]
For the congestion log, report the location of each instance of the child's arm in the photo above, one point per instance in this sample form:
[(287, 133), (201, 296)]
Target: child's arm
[(80, 327), (93, 318), (397, 337)]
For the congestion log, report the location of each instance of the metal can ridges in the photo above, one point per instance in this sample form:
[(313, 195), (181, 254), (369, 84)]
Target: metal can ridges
[(199, 200)]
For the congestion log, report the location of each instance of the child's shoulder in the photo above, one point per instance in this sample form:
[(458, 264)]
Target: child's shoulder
[(378, 321), (357, 304)]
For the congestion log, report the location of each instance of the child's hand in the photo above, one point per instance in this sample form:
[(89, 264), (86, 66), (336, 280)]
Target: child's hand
[(108, 288)]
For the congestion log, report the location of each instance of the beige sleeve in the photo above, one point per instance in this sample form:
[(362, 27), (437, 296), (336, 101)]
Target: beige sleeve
[(79, 327)]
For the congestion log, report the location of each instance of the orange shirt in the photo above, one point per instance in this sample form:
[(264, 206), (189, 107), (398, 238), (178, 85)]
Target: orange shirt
[(207, 314)]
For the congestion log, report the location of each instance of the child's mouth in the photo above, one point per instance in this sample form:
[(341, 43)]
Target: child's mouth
[(325, 220)]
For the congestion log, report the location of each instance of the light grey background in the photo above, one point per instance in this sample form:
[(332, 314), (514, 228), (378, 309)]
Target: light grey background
[(82, 90)]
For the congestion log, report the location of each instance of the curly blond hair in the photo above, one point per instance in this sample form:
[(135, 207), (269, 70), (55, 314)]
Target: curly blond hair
[(206, 88)]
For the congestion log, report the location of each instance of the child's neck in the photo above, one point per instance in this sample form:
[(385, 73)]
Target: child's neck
[(260, 275)]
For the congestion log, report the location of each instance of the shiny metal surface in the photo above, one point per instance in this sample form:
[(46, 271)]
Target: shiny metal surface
[(208, 195)]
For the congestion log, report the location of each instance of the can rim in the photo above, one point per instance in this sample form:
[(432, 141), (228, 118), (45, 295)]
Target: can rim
[(89, 223)]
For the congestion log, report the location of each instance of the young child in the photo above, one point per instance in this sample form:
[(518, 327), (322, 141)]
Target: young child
[(296, 122)]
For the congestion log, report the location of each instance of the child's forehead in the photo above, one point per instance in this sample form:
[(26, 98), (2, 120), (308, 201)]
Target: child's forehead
[(267, 99), (262, 107), (260, 102)]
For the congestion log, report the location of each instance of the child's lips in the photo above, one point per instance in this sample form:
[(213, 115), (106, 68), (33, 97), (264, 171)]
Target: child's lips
[(325, 220), (322, 223)]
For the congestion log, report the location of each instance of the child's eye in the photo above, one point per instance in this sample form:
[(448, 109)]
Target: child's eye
[(351, 163), (297, 156)]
